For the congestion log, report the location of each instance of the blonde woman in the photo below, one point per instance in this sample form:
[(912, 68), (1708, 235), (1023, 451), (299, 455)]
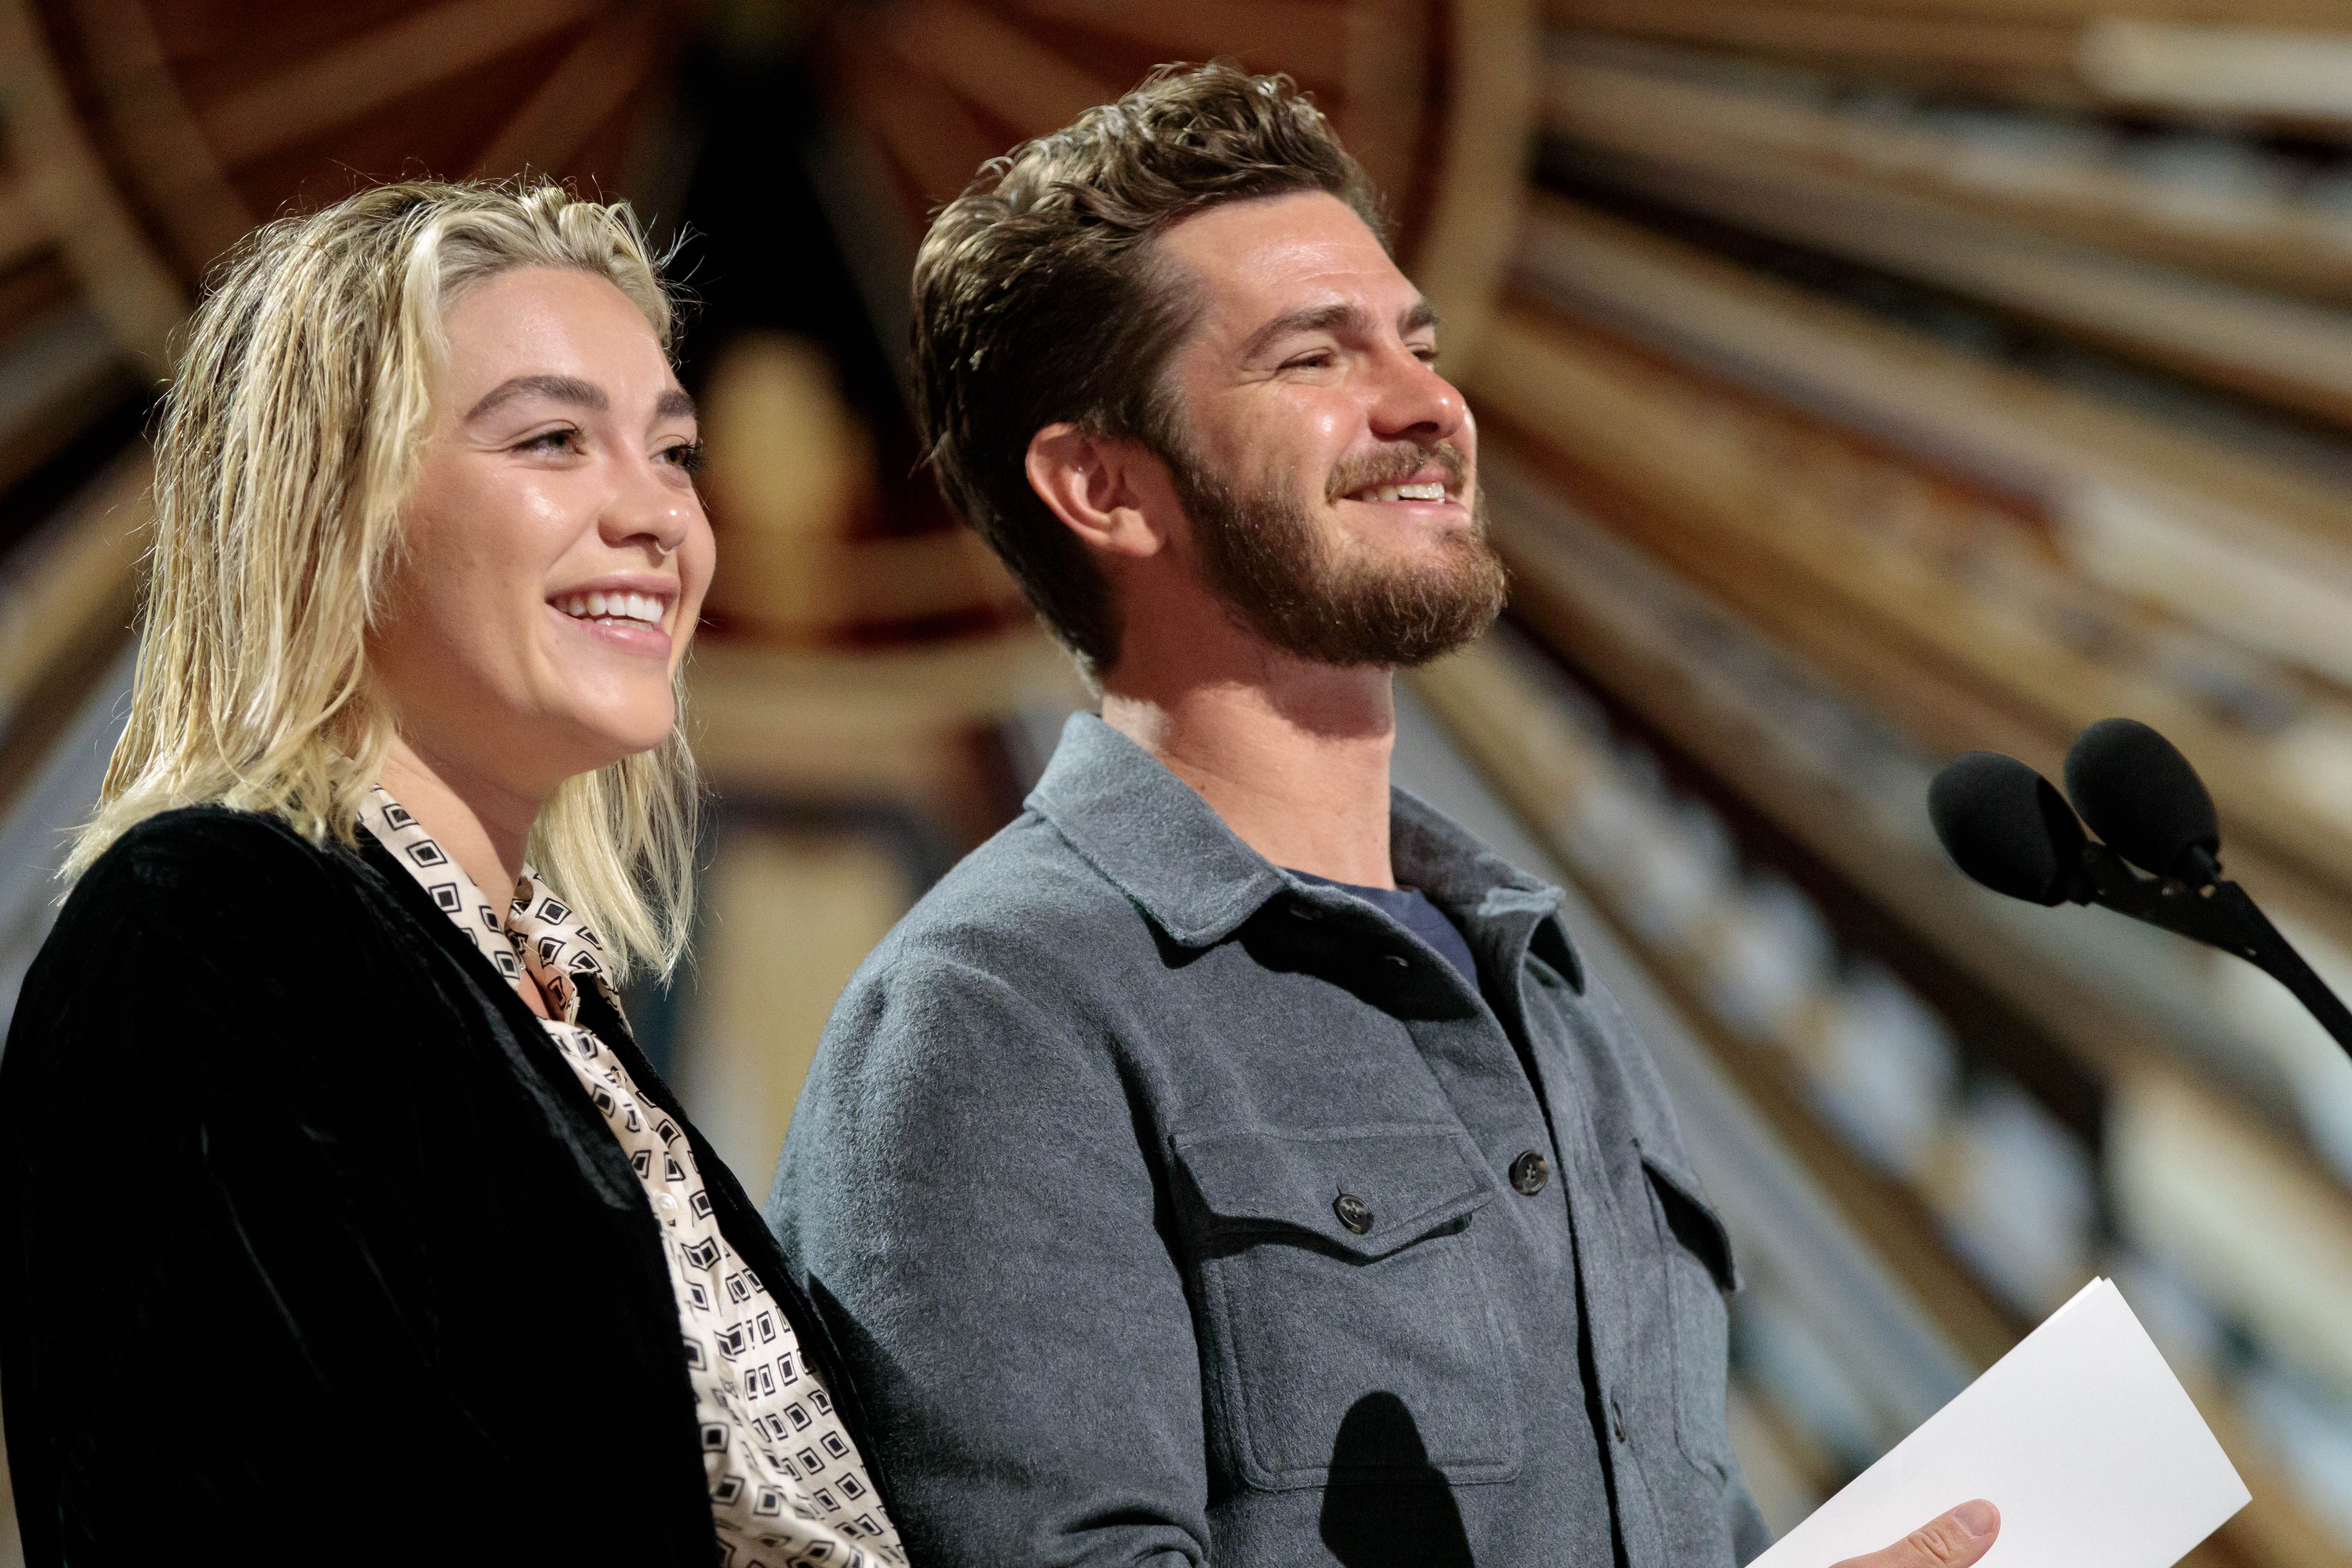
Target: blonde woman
[(340, 1218)]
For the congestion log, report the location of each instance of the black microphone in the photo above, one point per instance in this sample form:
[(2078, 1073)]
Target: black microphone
[(2007, 827), (2139, 795)]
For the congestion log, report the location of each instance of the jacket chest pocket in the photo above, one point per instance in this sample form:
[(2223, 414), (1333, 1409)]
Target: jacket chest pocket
[(1350, 1329), (1696, 1257)]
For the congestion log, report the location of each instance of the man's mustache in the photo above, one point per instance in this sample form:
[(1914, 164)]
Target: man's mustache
[(1394, 465)]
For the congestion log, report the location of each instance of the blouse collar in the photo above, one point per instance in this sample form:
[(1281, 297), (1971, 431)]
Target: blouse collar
[(538, 934)]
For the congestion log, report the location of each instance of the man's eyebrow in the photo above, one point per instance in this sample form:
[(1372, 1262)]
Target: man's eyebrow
[(568, 389), (1333, 317), (1312, 318)]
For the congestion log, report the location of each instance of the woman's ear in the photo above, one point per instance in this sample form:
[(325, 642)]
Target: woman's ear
[(1097, 488)]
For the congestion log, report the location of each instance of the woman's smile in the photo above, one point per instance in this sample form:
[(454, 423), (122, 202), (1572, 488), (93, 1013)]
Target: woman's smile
[(628, 613)]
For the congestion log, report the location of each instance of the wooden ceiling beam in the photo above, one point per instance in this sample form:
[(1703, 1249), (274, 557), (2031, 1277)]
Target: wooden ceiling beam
[(178, 177), (997, 68), (2290, 352), (370, 72), (2287, 63), (597, 78), (2318, 14), (63, 180), (935, 142), (1307, 39), (24, 232), (2037, 48), (2061, 177)]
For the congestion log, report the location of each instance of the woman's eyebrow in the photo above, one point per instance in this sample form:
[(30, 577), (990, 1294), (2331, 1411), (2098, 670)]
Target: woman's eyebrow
[(568, 389), (674, 404)]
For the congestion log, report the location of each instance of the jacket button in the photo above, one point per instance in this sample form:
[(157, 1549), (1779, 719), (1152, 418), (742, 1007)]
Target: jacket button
[(1529, 1172), (1353, 1212)]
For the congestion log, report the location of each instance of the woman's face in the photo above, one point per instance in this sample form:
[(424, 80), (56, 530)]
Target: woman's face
[(553, 552)]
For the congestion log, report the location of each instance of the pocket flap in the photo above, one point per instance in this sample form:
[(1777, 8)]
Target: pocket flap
[(1406, 1179), (1693, 1220)]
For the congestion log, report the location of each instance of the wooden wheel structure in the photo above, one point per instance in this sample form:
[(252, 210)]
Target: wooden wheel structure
[(209, 119)]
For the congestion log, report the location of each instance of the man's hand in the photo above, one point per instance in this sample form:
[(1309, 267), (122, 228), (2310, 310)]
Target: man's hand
[(1955, 1541)]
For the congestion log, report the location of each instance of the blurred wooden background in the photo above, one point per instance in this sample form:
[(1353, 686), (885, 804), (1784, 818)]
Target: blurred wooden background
[(1861, 380)]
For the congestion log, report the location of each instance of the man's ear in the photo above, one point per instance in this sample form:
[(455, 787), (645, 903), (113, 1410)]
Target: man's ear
[(1096, 486)]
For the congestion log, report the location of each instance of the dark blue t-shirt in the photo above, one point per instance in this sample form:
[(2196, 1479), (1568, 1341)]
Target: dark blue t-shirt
[(1410, 908)]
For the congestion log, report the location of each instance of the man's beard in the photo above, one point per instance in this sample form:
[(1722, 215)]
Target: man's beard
[(1262, 554)]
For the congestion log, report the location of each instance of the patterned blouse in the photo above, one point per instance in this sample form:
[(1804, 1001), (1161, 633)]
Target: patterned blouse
[(787, 1486)]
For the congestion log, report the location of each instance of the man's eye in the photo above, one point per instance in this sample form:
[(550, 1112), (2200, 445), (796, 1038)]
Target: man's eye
[(1315, 361)]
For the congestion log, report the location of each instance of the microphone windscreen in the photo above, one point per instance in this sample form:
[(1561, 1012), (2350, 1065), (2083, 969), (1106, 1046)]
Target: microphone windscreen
[(2139, 794), (2007, 826)]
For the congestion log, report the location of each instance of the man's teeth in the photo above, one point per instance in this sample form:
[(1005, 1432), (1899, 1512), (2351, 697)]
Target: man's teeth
[(642, 607), (1405, 492)]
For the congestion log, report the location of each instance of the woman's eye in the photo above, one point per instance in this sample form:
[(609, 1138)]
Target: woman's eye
[(550, 441), (687, 454)]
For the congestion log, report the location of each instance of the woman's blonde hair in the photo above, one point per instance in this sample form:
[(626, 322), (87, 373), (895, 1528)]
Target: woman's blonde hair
[(289, 440)]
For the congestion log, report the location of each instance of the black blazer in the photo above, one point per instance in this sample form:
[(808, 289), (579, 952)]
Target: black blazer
[(311, 1248)]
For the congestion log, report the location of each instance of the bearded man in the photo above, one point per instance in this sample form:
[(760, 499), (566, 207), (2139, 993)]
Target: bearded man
[(1232, 1160)]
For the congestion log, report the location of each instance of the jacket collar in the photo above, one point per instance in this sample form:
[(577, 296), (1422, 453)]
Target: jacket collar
[(1151, 835), (1155, 839)]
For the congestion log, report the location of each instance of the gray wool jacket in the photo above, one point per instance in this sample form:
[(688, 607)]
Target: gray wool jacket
[(1170, 1209)]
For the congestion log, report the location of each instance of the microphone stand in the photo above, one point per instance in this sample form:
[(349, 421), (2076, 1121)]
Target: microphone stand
[(2217, 913)]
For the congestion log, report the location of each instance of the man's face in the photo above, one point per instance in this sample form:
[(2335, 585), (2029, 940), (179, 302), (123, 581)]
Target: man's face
[(1328, 472)]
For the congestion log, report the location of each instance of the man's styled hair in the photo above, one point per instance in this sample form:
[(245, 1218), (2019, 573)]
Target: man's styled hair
[(289, 440), (1038, 299)]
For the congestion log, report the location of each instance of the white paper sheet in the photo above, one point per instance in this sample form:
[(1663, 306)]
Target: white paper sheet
[(2081, 1437)]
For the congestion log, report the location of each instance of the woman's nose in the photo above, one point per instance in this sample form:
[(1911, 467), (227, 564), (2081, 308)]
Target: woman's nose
[(653, 507)]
